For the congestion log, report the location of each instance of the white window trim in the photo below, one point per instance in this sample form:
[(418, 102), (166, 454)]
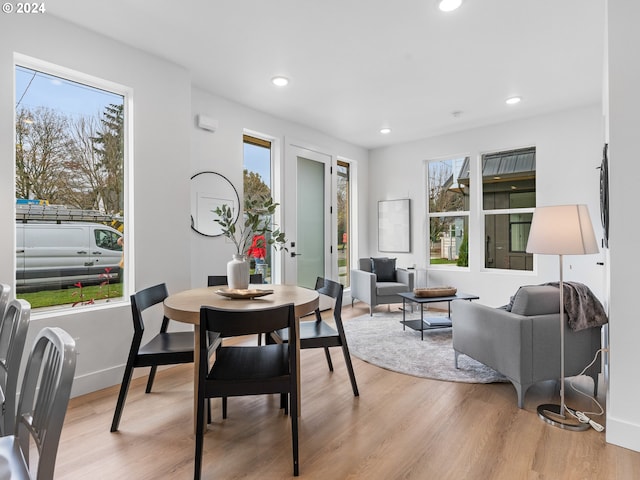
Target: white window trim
[(129, 222), (461, 213)]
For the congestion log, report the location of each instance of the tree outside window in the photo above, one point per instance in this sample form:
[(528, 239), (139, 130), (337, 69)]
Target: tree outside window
[(448, 200), (69, 154)]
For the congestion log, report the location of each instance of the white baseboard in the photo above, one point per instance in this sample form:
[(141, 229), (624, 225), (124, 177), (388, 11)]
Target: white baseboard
[(623, 434), (98, 380)]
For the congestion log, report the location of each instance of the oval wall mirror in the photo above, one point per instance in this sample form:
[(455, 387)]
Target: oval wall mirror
[(210, 190)]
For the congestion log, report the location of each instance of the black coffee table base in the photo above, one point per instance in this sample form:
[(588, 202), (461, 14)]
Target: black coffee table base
[(430, 323)]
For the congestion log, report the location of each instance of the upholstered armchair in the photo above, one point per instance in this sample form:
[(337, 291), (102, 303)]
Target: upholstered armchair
[(377, 281), (522, 340)]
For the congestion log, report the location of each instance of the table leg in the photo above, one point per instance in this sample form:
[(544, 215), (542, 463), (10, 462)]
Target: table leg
[(422, 321), (403, 314)]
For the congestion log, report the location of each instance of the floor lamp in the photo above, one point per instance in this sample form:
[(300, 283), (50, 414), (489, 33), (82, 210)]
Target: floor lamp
[(561, 230)]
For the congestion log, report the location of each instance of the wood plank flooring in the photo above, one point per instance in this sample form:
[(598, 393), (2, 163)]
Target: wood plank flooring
[(401, 427)]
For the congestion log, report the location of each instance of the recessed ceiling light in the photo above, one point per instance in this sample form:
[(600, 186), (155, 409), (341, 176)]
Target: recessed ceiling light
[(385, 130), (449, 5), (280, 81), (513, 100)]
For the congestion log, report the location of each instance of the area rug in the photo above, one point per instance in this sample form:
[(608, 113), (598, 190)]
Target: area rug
[(380, 341)]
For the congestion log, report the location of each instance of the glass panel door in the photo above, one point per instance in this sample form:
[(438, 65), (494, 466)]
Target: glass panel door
[(311, 230)]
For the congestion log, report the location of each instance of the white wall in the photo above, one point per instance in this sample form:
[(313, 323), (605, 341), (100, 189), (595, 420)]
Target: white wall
[(161, 113), (623, 415), (568, 151), (222, 152)]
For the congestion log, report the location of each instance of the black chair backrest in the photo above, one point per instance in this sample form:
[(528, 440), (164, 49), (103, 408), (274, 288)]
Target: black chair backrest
[(144, 299), (233, 323), (215, 280), (331, 289)]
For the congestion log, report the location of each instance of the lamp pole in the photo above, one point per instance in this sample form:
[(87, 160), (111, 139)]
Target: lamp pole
[(562, 404)]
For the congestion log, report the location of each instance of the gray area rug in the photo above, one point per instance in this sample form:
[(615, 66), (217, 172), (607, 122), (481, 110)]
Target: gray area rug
[(380, 340)]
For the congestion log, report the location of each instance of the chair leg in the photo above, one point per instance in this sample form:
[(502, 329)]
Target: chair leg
[(284, 399), (122, 396), (152, 376), (208, 410), (224, 407), (294, 429), (328, 355), (199, 436), (352, 375)]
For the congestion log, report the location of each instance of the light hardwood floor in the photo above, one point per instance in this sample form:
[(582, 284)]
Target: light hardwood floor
[(401, 427)]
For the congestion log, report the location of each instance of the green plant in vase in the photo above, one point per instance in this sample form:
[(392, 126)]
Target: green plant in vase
[(257, 223)]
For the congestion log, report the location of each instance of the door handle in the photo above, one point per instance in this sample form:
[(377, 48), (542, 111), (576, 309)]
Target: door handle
[(294, 254), (96, 253), (81, 252)]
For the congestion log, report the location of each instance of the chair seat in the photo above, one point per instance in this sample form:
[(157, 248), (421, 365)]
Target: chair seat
[(245, 363), (310, 330), (167, 343), (12, 464), (390, 288)]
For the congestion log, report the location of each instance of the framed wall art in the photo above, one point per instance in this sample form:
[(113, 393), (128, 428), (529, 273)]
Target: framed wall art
[(394, 225)]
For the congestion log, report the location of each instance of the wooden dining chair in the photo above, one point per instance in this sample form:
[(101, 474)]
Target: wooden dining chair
[(165, 348), (44, 397), (241, 370), (319, 334), (13, 334)]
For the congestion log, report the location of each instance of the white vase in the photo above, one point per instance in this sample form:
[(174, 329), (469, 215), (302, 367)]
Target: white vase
[(238, 272)]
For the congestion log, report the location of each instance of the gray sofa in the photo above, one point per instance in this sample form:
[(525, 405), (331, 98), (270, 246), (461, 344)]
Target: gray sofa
[(367, 287), (524, 344)]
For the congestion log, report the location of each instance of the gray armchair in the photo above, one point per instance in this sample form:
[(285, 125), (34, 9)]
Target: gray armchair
[(378, 282), (524, 344)]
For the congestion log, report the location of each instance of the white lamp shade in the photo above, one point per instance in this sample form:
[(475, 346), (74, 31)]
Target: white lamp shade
[(562, 230)]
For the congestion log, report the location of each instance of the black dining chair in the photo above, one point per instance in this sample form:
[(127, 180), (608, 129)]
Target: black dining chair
[(241, 370), (165, 348), (218, 280), (319, 334)]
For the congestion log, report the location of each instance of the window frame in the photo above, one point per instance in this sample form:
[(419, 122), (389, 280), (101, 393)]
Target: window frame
[(75, 76), (485, 213), (465, 214)]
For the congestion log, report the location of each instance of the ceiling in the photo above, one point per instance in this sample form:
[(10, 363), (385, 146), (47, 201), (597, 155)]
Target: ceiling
[(356, 66)]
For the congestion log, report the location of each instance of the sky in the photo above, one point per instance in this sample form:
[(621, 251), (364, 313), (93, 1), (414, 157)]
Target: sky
[(70, 98), (258, 159)]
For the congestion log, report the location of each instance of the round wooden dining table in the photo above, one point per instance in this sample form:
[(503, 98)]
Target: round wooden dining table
[(185, 307)]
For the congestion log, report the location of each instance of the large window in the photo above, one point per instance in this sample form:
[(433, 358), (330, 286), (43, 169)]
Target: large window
[(70, 189), (257, 184), (344, 223), (448, 200), (508, 200)]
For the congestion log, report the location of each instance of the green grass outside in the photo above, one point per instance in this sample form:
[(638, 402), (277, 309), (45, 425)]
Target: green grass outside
[(442, 261), (69, 296)]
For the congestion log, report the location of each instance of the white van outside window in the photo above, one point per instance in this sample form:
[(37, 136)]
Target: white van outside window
[(70, 186)]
